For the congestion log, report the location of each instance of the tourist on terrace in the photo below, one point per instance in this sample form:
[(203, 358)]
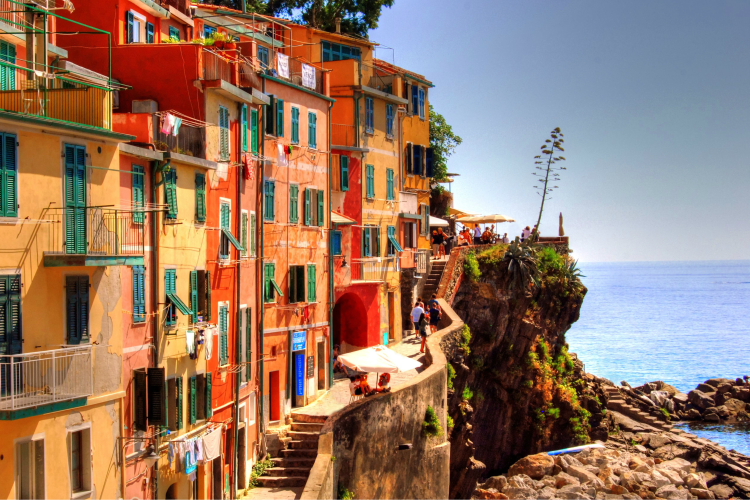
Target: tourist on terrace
[(525, 233), (364, 385), (505, 239), (477, 235), (435, 316), (384, 382), (415, 314), (354, 386), (443, 241), (423, 325), (487, 237)]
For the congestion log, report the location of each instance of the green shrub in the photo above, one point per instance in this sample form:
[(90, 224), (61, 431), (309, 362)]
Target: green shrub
[(431, 425), (259, 469), (451, 375), (550, 261), (466, 340), (554, 412), (468, 394), (471, 267), (345, 494), (528, 383), (451, 424)]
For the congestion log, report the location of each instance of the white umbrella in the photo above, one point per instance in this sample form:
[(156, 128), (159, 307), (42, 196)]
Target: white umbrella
[(435, 222), (485, 219), (379, 359)]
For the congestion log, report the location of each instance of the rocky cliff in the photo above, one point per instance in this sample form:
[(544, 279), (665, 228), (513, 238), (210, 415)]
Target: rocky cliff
[(514, 389)]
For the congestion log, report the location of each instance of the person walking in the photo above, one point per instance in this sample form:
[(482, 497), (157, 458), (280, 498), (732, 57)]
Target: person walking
[(435, 246), (423, 326), (477, 235), (415, 314), (442, 241), (435, 316)]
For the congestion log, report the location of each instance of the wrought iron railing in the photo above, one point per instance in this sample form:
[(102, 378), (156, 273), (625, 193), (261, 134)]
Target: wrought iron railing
[(43, 377), (422, 257), (344, 135), (216, 66), (376, 269), (96, 231), (30, 92), (189, 140)]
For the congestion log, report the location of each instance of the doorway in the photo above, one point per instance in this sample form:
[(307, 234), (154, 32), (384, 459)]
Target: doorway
[(216, 479), (273, 395), (299, 374), (391, 336), (321, 366), (242, 458)]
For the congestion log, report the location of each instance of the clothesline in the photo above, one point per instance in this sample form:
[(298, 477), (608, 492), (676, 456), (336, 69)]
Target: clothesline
[(187, 120)]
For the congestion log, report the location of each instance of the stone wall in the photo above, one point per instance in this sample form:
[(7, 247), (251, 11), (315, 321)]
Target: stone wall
[(359, 445)]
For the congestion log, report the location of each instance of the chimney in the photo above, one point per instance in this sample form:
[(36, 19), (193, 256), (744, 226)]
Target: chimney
[(338, 25)]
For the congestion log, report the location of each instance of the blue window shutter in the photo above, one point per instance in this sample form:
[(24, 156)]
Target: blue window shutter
[(415, 99), (418, 160), (389, 120), (430, 167), (344, 173), (280, 117), (409, 160), (337, 242), (150, 33), (308, 207)]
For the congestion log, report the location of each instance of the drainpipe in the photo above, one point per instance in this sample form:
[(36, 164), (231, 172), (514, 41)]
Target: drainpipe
[(238, 343), (331, 263), (259, 269)]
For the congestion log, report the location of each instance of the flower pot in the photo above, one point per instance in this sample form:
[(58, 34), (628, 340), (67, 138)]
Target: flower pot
[(230, 46), (219, 44)]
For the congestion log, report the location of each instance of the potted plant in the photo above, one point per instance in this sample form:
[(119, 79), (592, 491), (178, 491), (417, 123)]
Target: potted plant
[(231, 44), (220, 40)]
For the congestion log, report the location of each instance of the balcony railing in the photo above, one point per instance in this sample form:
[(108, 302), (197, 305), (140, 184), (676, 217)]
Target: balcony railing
[(30, 92), (98, 231), (375, 270), (344, 135), (189, 140), (216, 66), (422, 257), (249, 75), (39, 378)]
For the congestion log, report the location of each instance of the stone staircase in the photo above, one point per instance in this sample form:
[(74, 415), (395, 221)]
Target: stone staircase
[(616, 402), (292, 468), (433, 279)]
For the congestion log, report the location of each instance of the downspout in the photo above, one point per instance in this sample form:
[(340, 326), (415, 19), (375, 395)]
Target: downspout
[(238, 343), (259, 269), (331, 263)]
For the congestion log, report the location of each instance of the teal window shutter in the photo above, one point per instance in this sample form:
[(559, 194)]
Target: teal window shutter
[(175, 33), (209, 396), (223, 335), (267, 289), (200, 197), (249, 344), (178, 387), (253, 229), (11, 338), (308, 207), (170, 190), (337, 242), (294, 204), (312, 130), (224, 146), (9, 187), (244, 127), (312, 283), (280, 117), (7, 73), (370, 181), (131, 27), (270, 201), (254, 131), (344, 173), (393, 244), (77, 298), (194, 295), (138, 193), (243, 235), (295, 125), (193, 400), (366, 240), (225, 221), (170, 286), (75, 199), (139, 294), (391, 184), (321, 208), (150, 33)]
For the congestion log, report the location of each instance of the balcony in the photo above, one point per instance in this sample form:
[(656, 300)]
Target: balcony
[(42, 382), (94, 236), (294, 73), (216, 66), (190, 140), (374, 270), (54, 96)]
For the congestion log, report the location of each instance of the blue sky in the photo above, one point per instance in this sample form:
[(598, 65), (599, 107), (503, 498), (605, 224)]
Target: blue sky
[(653, 99)]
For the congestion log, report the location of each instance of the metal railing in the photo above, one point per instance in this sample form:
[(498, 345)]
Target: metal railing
[(249, 75), (216, 66), (38, 378), (344, 135), (12, 13), (188, 141), (30, 92), (96, 231), (375, 270), (422, 258)]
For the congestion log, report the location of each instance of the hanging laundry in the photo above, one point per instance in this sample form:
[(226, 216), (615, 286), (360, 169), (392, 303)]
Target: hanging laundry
[(222, 170), (288, 149), (282, 65), (176, 126), (209, 342), (190, 342), (167, 124), (170, 454), (282, 156), (190, 463), (212, 444), (199, 451)]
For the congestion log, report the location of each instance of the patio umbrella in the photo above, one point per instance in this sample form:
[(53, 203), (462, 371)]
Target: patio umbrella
[(379, 359), (437, 222), (485, 219)]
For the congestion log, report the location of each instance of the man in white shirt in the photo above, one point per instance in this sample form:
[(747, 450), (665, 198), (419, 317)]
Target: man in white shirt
[(505, 239), (416, 313), (477, 235)]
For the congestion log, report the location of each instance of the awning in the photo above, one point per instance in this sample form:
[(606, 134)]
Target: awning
[(458, 213), (434, 221), (337, 218), (486, 219), (378, 359), (395, 243), (179, 304), (232, 239)]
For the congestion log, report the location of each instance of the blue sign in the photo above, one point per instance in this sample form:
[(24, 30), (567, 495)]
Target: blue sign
[(300, 375), (299, 341)]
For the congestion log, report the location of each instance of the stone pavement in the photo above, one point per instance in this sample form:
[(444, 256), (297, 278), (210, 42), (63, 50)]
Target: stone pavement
[(338, 397), (286, 493)]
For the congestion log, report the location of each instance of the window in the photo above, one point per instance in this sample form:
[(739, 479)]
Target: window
[(174, 302), (200, 197), (393, 244), (77, 300), (369, 115), (409, 160), (175, 33), (414, 99), (337, 238), (314, 207), (244, 128), (174, 404), (370, 181), (170, 192), (425, 222), (371, 241), (243, 233), (201, 397), (270, 287), (254, 131), (11, 336), (390, 181), (295, 125), (209, 31), (138, 28), (227, 237), (312, 283), (389, 118), (140, 408), (203, 292), (296, 284), (253, 231), (76, 237), (429, 163), (279, 117), (271, 115), (30, 467), (269, 195), (139, 294), (224, 143), (410, 235), (339, 52), (224, 334), (422, 99), (263, 56), (294, 203), (157, 399), (150, 33), (417, 162), (312, 130), (80, 460), (7, 73), (139, 174), (344, 173)]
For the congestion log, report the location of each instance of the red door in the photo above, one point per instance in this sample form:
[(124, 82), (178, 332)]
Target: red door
[(275, 392)]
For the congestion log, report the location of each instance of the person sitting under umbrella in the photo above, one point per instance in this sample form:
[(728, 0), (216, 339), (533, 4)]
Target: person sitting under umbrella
[(384, 383)]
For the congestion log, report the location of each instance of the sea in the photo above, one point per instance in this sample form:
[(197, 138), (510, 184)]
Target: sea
[(680, 322)]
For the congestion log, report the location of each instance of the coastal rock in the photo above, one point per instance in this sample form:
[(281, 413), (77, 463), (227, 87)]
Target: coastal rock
[(739, 381), (546, 493), (740, 485), (725, 387), (565, 479), (677, 464), (673, 476), (567, 461), (723, 411), (702, 493), (535, 466), (722, 491), (520, 481), (705, 388), (701, 399), (716, 382), (486, 494), (691, 414), (680, 399), (696, 481), (585, 476), (743, 395), (655, 441), (735, 405), (521, 493), (712, 417), (497, 482)]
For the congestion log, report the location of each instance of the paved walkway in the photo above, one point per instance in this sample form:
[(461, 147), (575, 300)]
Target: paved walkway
[(338, 397), (285, 493)]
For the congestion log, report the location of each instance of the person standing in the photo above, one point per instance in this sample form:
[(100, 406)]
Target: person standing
[(477, 235), (442, 241), (525, 233), (505, 239), (423, 326), (435, 246), (415, 314), (435, 316)]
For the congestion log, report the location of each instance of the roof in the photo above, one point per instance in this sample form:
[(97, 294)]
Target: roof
[(340, 219), (381, 64)]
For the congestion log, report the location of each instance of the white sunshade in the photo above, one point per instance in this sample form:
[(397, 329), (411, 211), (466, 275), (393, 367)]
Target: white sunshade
[(435, 222), (378, 359)]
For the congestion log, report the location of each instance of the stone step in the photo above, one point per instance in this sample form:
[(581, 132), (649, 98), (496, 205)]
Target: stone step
[(304, 436), (298, 444), (300, 453), (280, 482), (306, 462), (288, 471), (308, 419), (307, 427)]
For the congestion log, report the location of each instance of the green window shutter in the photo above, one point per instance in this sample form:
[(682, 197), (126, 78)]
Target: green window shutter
[(209, 306), (255, 131), (253, 229), (293, 284), (170, 287), (244, 127), (366, 242), (270, 201), (249, 343), (270, 114), (139, 294), (200, 197), (344, 173), (280, 117), (77, 298), (9, 188), (223, 335), (294, 204), (193, 400), (295, 125), (138, 193), (266, 283), (321, 208), (376, 246), (370, 181), (170, 190), (312, 130), (75, 199), (175, 33), (243, 234), (308, 207), (391, 185), (150, 33), (209, 396), (312, 283), (224, 133), (178, 383), (226, 215), (11, 339), (194, 294)]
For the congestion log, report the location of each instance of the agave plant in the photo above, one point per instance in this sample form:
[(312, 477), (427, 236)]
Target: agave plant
[(522, 265), (573, 275)]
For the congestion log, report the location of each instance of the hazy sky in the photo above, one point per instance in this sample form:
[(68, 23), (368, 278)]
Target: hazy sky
[(653, 98)]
